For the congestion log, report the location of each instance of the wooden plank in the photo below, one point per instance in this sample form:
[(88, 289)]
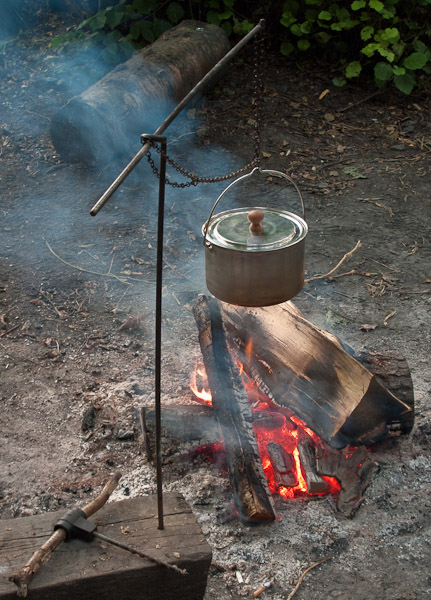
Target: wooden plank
[(95, 570), (308, 371)]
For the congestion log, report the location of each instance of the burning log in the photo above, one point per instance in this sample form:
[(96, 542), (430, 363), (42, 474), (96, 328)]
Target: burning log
[(137, 95), (233, 412), (307, 370)]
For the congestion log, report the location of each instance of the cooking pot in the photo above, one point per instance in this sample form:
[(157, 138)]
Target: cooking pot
[(255, 256)]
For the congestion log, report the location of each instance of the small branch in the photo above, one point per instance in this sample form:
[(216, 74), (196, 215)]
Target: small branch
[(9, 330), (24, 576), (303, 574), (349, 106), (337, 266)]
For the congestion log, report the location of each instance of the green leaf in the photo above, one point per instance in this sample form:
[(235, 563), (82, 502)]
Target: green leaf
[(114, 18), (353, 69), (303, 45), (296, 30), (391, 35), (398, 70), (324, 15), (160, 26), (383, 71), (175, 12), (377, 5), (227, 28), (213, 18), (404, 83), (367, 32), (386, 53), (358, 4), (323, 37), (145, 7), (339, 81), (98, 22), (287, 20), (286, 48), (416, 60), (419, 46), (224, 15)]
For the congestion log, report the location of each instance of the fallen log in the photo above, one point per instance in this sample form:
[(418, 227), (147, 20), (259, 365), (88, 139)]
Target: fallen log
[(233, 412), (108, 118), (307, 370)]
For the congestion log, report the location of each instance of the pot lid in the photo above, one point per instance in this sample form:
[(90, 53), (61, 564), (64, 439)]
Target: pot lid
[(273, 229)]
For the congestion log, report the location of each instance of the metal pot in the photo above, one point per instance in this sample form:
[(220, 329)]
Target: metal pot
[(255, 256)]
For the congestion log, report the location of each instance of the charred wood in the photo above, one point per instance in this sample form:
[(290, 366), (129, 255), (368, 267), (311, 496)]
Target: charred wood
[(283, 465), (182, 426), (315, 483), (354, 471), (233, 412)]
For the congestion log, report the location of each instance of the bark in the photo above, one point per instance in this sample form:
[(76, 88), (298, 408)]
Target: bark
[(108, 118)]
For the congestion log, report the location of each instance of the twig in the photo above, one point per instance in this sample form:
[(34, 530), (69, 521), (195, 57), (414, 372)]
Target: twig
[(59, 313), (337, 266), (391, 314), (108, 274), (352, 272), (303, 574), (24, 576), (9, 330), (360, 101)]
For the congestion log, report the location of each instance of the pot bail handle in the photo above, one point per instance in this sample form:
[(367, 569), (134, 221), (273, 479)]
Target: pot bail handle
[(246, 176)]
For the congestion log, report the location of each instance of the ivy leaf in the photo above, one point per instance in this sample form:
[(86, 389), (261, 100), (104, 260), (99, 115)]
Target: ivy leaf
[(377, 5), (404, 83), (415, 61), (383, 71), (358, 4), (303, 45), (324, 15), (353, 69), (367, 32)]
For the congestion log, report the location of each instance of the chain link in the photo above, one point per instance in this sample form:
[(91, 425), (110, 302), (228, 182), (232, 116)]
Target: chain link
[(259, 49)]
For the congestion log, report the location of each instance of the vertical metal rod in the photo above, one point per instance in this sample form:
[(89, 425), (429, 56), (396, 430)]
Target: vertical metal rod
[(158, 331)]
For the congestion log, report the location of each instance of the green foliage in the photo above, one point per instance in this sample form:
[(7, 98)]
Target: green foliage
[(387, 38)]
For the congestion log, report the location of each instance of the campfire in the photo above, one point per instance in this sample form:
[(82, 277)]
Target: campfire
[(291, 423)]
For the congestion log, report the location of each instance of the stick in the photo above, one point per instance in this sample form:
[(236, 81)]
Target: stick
[(24, 576), (303, 574), (337, 266), (9, 330), (108, 274)]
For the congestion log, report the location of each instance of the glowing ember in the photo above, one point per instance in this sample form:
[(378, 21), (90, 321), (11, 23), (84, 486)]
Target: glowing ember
[(276, 428)]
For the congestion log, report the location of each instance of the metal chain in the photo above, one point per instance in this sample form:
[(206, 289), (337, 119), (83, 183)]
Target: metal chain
[(259, 50)]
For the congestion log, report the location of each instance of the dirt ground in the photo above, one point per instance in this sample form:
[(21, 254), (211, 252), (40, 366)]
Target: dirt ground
[(77, 309)]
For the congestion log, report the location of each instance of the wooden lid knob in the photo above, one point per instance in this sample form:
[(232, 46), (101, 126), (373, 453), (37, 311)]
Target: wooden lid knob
[(256, 217)]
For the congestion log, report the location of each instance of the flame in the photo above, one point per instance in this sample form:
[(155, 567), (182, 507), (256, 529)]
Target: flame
[(283, 427), (203, 394)]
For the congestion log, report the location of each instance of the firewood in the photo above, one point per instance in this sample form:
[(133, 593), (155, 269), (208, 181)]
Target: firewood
[(283, 465), (233, 412), (308, 371), (107, 119), (307, 456)]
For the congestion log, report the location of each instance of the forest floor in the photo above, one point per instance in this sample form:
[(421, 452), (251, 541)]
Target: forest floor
[(77, 308)]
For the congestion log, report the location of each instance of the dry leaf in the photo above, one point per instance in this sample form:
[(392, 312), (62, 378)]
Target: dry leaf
[(266, 154), (131, 323), (329, 117), (368, 326), (340, 148), (323, 94)]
